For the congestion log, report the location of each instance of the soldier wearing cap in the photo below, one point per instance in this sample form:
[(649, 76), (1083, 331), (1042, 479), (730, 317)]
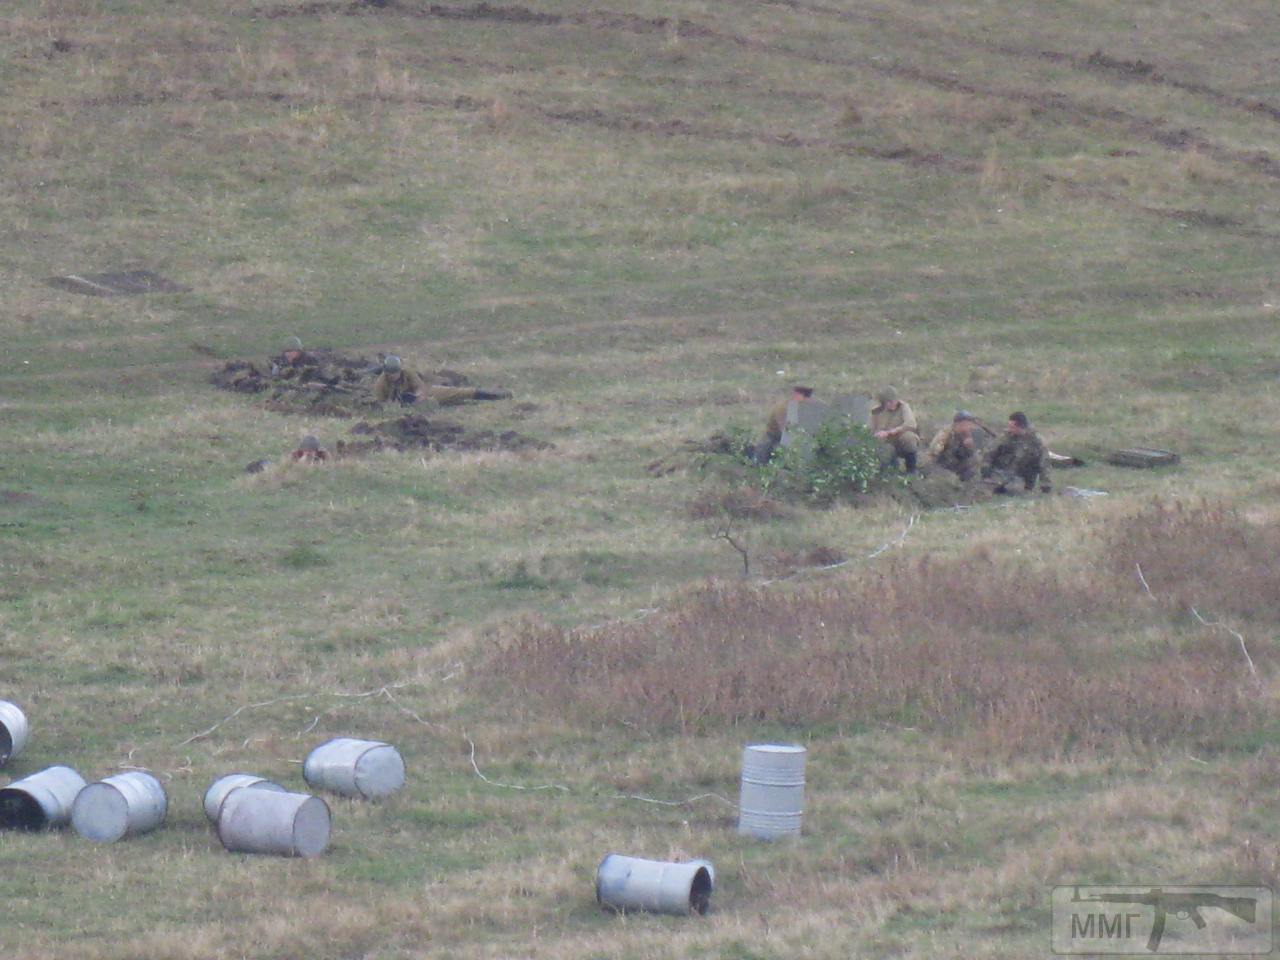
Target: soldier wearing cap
[(397, 385), (1020, 455), (310, 451), (776, 423), (893, 423), (953, 447)]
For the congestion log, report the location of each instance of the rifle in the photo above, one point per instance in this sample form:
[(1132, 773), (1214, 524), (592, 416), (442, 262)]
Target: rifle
[(1184, 905)]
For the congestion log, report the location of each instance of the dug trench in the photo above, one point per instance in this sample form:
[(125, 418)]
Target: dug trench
[(331, 384)]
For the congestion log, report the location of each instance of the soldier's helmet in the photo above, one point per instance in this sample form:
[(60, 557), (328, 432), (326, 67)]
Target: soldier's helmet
[(392, 364), (887, 395), (293, 343), (310, 442), (963, 415)]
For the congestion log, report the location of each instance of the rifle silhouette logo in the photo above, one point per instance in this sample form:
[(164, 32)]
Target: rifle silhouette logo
[(1183, 905)]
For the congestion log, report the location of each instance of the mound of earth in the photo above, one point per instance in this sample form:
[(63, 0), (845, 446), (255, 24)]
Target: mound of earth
[(414, 432), (319, 383)]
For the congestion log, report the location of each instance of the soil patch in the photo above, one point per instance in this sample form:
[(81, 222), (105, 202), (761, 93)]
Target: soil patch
[(414, 432), (18, 497), (126, 284), (319, 383)]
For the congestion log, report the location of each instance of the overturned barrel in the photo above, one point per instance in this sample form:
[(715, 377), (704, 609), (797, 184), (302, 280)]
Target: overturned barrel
[(221, 788), (41, 801), (771, 803), (657, 886), (355, 768), (121, 806), (13, 731), (265, 821)]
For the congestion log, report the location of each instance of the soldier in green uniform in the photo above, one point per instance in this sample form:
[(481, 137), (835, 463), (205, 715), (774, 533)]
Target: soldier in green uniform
[(894, 424), (1020, 455), (397, 385), (776, 423), (954, 448)]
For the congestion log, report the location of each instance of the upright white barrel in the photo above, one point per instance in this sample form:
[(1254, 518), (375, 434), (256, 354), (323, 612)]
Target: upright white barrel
[(222, 788), (121, 806), (264, 821), (771, 804), (355, 768), (13, 731), (41, 801), (657, 886)]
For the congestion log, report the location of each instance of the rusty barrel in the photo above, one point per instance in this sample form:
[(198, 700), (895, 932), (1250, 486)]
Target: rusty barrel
[(41, 801), (13, 731), (266, 821), (121, 806), (221, 788), (355, 768), (771, 804)]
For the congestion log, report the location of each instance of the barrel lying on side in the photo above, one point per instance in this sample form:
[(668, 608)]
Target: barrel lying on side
[(355, 768), (121, 806), (771, 804), (265, 821), (657, 886), (41, 801), (13, 731), (222, 788)]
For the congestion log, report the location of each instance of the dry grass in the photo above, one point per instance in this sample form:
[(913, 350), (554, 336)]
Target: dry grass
[(1009, 656)]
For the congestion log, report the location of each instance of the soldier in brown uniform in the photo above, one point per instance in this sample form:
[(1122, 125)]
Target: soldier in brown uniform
[(1020, 455), (953, 447), (893, 423), (397, 385), (777, 422)]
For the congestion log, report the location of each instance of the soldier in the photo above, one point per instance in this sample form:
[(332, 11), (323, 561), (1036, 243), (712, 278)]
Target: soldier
[(398, 385), (953, 448), (1018, 456), (777, 422), (893, 423), (310, 451)]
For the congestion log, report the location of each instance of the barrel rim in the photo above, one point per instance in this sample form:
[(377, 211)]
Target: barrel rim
[(328, 833), (779, 748)]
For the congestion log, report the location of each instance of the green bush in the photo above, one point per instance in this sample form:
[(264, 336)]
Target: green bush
[(839, 459)]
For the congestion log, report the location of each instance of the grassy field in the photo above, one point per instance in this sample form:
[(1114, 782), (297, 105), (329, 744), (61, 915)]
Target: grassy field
[(646, 221)]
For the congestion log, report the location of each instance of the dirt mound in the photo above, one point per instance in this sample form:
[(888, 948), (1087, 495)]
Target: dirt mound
[(319, 383), (414, 432)]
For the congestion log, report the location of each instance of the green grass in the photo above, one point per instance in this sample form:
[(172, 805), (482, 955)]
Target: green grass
[(634, 226)]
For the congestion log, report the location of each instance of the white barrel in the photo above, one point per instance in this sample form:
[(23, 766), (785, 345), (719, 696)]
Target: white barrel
[(771, 804), (13, 731), (355, 768), (221, 788), (41, 801), (121, 806), (657, 886), (264, 821)]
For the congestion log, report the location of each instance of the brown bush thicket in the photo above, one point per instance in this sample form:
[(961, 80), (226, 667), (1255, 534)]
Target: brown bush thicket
[(1204, 556), (1011, 659)]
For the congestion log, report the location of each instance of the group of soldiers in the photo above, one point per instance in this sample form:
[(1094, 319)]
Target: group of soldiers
[(1016, 456)]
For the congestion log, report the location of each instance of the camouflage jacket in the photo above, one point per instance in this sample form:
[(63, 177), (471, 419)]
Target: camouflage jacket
[(393, 387), (882, 418), (777, 421), (949, 450), (1023, 455)]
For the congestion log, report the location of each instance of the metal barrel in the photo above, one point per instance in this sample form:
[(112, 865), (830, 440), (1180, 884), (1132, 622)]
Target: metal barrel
[(771, 804), (657, 886), (264, 821), (711, 870), (221, 788), (41, 801), (121, 806), (355, 768), (13, 731)]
